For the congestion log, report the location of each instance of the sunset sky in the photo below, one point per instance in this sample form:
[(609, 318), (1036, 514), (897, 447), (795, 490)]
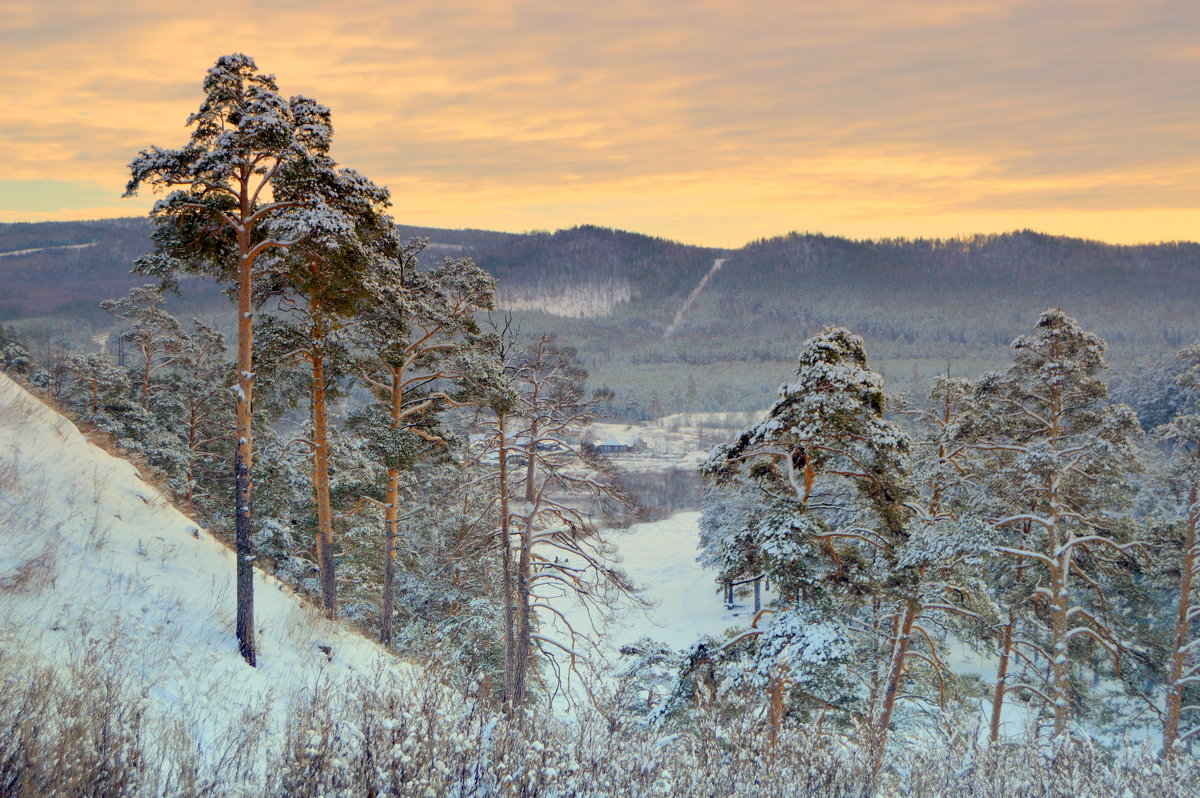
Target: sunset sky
[(709, 122)]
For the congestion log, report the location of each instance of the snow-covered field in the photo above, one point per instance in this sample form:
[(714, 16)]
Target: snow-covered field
[(686, 603), (579, 301), (95, 563)]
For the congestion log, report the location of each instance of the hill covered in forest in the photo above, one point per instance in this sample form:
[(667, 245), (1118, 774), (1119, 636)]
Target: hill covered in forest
[(650, 325)]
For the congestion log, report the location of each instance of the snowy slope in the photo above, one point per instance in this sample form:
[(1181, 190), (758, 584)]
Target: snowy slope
[(95, 563)]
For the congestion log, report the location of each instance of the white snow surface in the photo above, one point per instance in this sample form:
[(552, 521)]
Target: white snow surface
[(660, 558), (95, 562), (15, 252)]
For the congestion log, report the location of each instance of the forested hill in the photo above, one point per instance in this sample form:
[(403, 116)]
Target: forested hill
[(931, 298), (51, 268), (923, 305)]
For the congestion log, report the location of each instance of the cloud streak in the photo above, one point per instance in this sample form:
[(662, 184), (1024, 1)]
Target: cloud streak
[(706, 121)]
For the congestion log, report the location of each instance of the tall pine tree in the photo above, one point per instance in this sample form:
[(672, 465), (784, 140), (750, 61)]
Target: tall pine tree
[(216, 221)]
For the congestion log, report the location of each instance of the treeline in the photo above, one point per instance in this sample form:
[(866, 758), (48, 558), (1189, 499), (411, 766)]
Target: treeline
[(656, 268), (1031, 257), (612, 295)]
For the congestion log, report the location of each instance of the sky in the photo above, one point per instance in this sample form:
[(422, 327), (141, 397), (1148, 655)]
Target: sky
[(708, 122)]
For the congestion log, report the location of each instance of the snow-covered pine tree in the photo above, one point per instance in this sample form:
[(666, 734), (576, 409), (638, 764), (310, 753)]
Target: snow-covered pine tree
[(1059, 459), (949, 540), (318, 285), (214, 221), (417, 343), (1182, 433), (155, 334), (102, 380), (14, 355), (196, 404), (100, 390), (818, 496)]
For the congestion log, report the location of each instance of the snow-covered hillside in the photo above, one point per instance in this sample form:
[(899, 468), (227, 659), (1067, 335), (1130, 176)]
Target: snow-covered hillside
[(96, 564), (588, 300)]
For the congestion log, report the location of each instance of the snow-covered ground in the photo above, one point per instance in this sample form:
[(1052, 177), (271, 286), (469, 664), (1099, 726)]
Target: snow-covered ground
[(14, 252), (588, 300), (687, 603), (96, 563)]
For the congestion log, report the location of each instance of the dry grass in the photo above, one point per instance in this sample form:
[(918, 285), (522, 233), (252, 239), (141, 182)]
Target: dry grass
[(32, 574), (86, 729)]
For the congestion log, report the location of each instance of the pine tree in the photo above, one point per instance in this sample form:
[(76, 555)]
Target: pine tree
[(949, 540), (216, 221), (195, 402), (1059, 459), (1182, 433), (319, 284), (819, 493), (417, 342), (14, 355), (104, 381), (155, 334)]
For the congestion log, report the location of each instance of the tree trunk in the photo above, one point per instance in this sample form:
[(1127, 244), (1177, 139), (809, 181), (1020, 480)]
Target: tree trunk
[(1060, 666), (890, 690), (391, 531), (321, 484), (243, 459), (523, 642), (148, 353), (193, 438), (506, 561), (531, 457), (775, 715), (1184, 609), (1001, 680)]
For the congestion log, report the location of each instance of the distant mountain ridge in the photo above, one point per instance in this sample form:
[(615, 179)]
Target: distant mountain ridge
[(52, 266), (620, 297)]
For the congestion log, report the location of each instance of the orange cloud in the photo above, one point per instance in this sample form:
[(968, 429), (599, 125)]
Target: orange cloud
[(706, 121)]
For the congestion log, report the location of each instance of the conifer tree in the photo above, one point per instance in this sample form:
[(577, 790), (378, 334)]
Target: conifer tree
[(418, 343), (14, 356), (216, 221), (156, 334), (196, 403), (319, 285), (1182, 433), (821, 487), (103, 380), (873, 547), (1059, 460)]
